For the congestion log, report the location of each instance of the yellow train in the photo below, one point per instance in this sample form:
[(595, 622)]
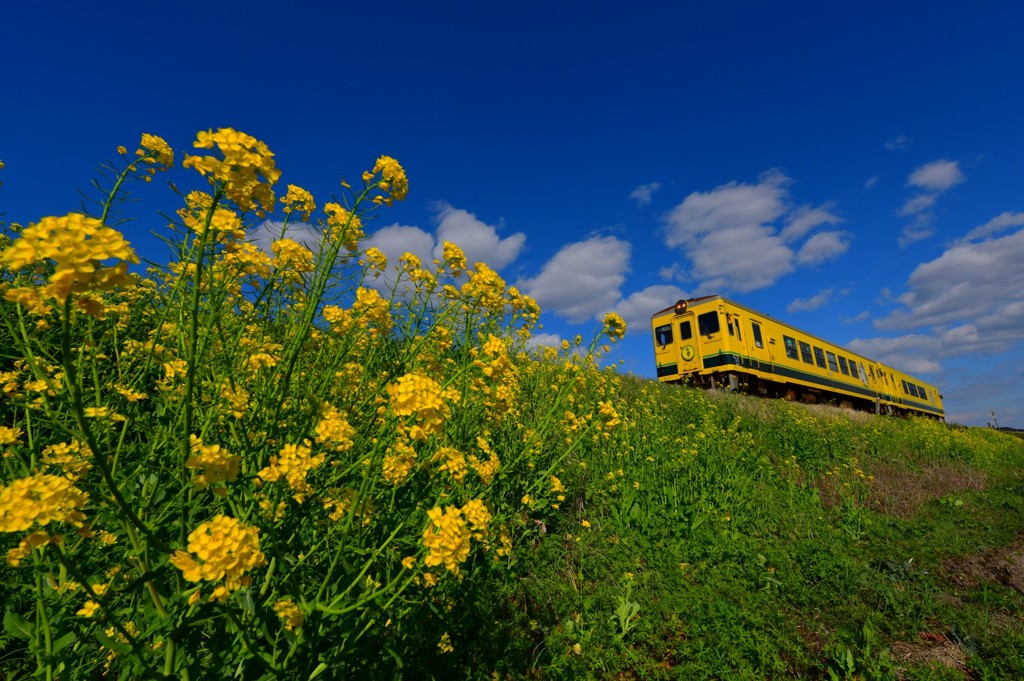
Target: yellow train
[(712, 341)]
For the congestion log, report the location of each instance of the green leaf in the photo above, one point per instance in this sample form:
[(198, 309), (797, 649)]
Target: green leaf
[(63, 642), (17, 627), (320, 669)]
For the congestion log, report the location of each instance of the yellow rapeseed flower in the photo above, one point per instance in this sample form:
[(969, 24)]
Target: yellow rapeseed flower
[(289, 613), (293, 463), (40, 499), (299, 200), (247, 171), (223, 548), (393, 180), (446, 538), (614, 326), (155, 150), (76, 245)]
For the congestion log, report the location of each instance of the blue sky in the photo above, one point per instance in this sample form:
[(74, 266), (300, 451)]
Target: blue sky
[(855, 170)]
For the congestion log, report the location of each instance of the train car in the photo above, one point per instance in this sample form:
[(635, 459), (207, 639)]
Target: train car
[(711, 341)]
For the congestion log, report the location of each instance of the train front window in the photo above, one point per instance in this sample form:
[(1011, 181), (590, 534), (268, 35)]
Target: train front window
[(790, 347), (685, 331), (832, 362), (663, 335), (819, 357), (757, 334), (708, 323), (805, 352)]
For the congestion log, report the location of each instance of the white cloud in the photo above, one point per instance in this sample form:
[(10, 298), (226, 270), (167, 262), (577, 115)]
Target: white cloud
[(931, 179), (821, 247), (731, 239), (810, 304), (269, 231), (728, 206), (937, 176), (997, 224), (912, 353), (897, 143), (639, 306), (478, 240), (543, 340), (871, 182), (916, 204), (582, 279), (968, 281), (804, 219), (394, 241), (642, 194), (858, 318), (919, 231), (673, 271)]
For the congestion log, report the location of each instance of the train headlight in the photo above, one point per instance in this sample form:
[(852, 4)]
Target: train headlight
[(680, 307)]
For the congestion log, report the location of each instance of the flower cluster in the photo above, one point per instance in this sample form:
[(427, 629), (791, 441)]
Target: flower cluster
[(154, 150), (223, 224), (216, 463), (297, 199), (448, 535), (289, 613), (399, 462), (614, 326), (446, 538), (70, 458), (246, 160), (294, 463), (343, 225), (415, 394), (76, 245), (392, 181), (221, 549), (41, 499), (334, 431)]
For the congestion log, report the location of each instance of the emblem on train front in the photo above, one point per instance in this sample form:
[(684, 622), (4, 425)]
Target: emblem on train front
[(687, 352)]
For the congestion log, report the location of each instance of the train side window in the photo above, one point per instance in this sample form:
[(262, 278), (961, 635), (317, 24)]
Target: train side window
[(843, 366), (832, 362), (904, 386), (913, 389), (756, 328), (853, 368), (921, 393), (790, 347), (871, 374), (863, 376), (728, 323), (805, 352), (663, 335), (685, 330), (708, 323), (819, 357)]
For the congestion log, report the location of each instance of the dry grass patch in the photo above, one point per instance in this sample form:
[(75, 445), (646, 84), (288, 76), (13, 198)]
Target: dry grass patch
[(901, 491)]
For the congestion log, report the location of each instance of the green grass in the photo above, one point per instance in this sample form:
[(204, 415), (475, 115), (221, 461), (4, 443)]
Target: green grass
[(765, 555)]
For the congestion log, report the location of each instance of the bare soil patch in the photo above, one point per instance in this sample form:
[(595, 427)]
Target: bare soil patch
[(1001, 565)]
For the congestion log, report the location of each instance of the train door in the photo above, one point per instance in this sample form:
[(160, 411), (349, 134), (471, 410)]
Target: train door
[(687, 343), (711, 337), (760, 355)]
